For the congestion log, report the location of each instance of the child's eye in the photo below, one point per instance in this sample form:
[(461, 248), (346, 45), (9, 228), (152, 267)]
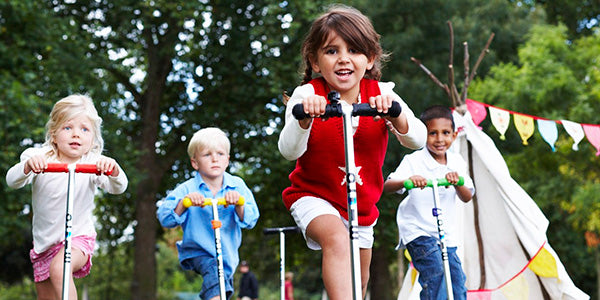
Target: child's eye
[(67, 128), (330, 51), (84, 129)]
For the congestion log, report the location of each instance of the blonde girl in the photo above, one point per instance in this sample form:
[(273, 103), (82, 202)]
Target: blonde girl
[(73, 135)]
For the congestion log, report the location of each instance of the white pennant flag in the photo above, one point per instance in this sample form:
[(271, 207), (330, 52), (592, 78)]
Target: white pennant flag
[(575, 131)]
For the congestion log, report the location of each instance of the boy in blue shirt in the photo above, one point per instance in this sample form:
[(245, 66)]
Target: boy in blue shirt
[(209, 155), (416, 225)]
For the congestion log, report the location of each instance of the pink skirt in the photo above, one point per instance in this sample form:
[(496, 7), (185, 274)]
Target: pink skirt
[(41, 262)]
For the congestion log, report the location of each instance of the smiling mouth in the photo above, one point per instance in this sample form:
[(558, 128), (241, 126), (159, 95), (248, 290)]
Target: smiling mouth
[(344, 73), (75, 144)]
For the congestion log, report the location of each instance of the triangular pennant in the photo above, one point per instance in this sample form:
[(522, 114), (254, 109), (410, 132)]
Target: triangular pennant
[(544, 264), (516, 289), (592, 132), (477, 110), (548, 131), (500, 119), (575, 131), (524, 126)]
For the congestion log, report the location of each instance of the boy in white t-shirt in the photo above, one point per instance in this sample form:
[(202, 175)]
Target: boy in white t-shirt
[(417, 225)]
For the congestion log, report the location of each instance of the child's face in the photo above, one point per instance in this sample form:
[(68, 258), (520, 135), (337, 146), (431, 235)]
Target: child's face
[(342, 66), (211, 163), (74, 139), (440, 135)]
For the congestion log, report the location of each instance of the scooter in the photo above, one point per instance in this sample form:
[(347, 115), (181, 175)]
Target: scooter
[(216, 225), (71, 169), (282, 231), (437, 213), (336, 109)]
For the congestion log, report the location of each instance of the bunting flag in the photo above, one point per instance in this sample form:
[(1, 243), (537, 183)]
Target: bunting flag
[(592, 132), (516, 289), (548, 131), (525, 125), (575, 131), (477, 111), (544, 264), (500, 120)]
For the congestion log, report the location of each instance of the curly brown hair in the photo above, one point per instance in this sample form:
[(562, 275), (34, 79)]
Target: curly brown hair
[(354, 28)]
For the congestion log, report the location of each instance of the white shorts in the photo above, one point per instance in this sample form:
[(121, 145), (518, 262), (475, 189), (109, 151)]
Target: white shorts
[(305, 209)]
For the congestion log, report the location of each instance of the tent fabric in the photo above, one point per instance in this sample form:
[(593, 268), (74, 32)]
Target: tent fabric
[(512, 231)]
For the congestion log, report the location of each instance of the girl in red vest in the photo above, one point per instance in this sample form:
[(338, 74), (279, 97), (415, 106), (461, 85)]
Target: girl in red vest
[(343, 47)]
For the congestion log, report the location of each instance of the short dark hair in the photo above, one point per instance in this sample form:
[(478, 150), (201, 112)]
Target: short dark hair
[(437, 112)]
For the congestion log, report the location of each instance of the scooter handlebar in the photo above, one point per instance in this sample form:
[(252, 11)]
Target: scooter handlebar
[(79, 168), (408, 184), (335, 110), (273, 230), (187, 202)]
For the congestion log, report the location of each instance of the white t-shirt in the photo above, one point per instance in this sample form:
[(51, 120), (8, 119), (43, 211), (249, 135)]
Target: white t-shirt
[(49, 198), (415, 217)]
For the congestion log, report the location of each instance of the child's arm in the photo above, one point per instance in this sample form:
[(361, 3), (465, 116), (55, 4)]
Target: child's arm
[(115, 183), (463, 192), (293, 138), (408, 129), (232, 198), (31, 160)]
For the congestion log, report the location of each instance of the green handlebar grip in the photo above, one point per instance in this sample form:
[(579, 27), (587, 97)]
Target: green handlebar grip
[(408, 184), (187, 202)]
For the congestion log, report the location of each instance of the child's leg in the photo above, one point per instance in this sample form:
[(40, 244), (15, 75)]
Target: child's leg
[(365, 267), (427, 259), (332, 235), (52, 288), (458, 276)]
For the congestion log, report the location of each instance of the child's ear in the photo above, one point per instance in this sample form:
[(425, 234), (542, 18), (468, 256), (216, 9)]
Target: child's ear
[(370, 64), (194, 163)]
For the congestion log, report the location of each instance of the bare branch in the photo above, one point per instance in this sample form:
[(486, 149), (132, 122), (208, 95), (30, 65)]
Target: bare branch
[(466, 66), (480, 58), (431, 75)]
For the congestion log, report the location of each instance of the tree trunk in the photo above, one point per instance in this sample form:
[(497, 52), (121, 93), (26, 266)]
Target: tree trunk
[(143, 286), (381, 279)]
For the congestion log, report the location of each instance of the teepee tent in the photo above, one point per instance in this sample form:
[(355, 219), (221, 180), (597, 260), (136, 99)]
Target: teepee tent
[(505, 251)]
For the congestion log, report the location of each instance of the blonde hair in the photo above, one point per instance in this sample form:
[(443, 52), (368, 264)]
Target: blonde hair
[(354, 28), (68, 108), (208, 138)]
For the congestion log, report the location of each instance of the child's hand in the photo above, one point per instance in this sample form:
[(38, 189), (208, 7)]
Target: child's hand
[(36, 163), (314, 106), (196, 198), (232, 197), (452, 178), (106, 165), (418, 181), (382, 103)]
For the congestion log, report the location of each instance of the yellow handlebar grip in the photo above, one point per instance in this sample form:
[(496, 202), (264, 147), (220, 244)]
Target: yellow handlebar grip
[(187, 202)]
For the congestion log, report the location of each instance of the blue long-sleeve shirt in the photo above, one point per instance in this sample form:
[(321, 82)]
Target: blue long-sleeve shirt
[(198, 234)]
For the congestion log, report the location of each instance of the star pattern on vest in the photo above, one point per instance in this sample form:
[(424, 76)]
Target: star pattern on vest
[(358, 179)]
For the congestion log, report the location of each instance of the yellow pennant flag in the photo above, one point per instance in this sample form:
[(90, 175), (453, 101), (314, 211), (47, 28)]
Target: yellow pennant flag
[(525, 126), (544, 264), (500, 119), (516, 289)]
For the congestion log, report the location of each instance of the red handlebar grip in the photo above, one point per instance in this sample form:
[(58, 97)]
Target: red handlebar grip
[(79, 168), (56, 168)]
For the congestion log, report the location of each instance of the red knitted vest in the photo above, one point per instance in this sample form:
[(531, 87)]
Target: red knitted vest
[(321, 170)]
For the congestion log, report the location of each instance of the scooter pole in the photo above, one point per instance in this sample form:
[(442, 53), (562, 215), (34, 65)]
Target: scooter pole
[(351, 176), (282, 231), (71, 169), (437, 212)]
